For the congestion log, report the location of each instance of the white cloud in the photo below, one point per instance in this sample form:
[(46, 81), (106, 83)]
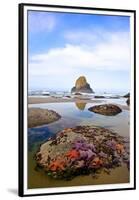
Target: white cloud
[(113, 54)]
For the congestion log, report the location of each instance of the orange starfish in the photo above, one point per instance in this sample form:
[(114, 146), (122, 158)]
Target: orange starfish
[(97, 162), (72, 154), (120, 148), (57, 165)]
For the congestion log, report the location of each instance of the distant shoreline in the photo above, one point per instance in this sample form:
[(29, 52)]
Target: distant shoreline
[(40, 100)]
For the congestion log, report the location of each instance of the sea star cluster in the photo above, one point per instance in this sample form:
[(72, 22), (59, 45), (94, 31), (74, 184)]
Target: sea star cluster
[(83, 150)]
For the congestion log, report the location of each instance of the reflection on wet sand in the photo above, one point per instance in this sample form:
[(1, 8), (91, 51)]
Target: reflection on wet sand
[(80, 105)]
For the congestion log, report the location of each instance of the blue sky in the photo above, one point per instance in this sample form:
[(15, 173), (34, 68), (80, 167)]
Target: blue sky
[(64, 46)]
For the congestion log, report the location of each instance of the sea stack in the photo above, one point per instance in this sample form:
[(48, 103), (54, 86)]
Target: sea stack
[(81, 85)]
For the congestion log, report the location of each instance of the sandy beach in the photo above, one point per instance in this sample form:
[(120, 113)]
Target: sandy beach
[(40, 100), (37, 100)]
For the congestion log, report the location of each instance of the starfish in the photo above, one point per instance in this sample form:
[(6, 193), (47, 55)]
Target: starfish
[(72, 154), (57, 165)]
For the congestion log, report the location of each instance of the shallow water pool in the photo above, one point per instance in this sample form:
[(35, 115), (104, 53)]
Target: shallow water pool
[(73, 114)]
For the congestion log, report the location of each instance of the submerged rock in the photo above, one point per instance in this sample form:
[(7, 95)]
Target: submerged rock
[(38, 116), (81, 85), (82, 150), (106, 109)]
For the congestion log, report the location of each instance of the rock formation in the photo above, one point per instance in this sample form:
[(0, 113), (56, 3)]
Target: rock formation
[(106, 109), (127, 95), (128, 101), (82, 150), (38, 116), (128, 98), (81, 85), (99, 97)]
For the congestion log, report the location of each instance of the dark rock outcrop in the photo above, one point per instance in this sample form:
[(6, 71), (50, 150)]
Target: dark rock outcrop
[(128, 98), (77, 93), (99, 97), (81, 85), (127, 95), (128, 101), (106, 109)]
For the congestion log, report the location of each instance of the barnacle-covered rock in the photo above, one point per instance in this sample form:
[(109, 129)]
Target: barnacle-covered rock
[(82, 150), (106, 109)]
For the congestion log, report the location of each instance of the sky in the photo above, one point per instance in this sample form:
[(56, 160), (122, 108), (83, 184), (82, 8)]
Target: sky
[(64, 46)]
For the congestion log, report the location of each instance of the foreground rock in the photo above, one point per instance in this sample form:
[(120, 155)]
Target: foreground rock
[(81, 85), (83, 150), (106, 109), (38, 116)]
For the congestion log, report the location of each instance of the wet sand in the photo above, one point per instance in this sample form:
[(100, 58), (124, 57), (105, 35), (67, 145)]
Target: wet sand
[(39, 100), (117, 175)]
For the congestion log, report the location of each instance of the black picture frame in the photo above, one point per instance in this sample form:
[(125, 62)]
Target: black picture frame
[(21, 96)]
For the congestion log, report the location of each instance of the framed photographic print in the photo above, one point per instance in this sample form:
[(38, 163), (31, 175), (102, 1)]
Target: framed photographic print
[(76, 99)]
